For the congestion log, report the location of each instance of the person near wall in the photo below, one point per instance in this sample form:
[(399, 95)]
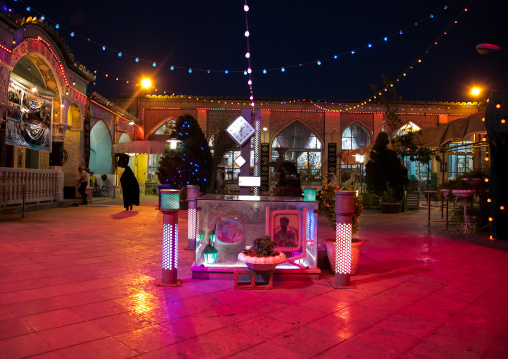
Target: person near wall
[(82, 182), (130, 186)]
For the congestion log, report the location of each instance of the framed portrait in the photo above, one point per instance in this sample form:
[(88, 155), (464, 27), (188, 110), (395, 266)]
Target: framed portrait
[(286, 230)]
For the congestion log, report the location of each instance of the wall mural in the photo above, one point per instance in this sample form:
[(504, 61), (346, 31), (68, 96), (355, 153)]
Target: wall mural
[(29, 123)]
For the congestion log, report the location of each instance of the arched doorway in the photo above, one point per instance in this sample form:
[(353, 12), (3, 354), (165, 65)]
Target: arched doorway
[(100, 149), (304, 148)]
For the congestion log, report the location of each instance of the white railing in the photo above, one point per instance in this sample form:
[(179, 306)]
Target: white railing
[(41, 185)]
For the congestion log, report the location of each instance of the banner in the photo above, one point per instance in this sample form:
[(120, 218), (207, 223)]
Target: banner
[(29, 123)]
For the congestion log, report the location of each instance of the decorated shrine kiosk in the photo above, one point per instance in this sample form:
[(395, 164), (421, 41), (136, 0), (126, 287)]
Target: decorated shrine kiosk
[(226, 225)]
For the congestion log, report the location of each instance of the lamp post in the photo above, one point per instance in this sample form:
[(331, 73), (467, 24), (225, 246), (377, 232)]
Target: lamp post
[(486, 48), (360, 159), (169, 206), (192, 195), (344, 210)]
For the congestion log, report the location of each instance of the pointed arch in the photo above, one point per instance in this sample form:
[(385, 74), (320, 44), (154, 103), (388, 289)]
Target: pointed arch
[(304, 147), (355, 136), (406, 128), (167, 124), (100, 149)]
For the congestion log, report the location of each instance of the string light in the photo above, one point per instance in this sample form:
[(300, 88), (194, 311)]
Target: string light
[(247, 34)]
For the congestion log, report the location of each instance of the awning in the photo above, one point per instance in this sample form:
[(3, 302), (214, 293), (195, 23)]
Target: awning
[(156, 147), (433, 137)]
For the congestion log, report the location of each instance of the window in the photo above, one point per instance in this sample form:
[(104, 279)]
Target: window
[(460, 158), (407, 128), (303, 148), (355, 136), (166, 129)]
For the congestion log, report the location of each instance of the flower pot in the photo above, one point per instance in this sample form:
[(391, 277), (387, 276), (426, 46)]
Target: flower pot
[(356, 248), (390, 207), (262, 264)]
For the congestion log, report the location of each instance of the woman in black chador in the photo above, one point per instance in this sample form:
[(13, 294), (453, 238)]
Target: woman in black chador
[(130, 186)]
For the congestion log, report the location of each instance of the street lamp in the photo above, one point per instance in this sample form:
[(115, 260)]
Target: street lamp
[(146, 83), (486, 48)]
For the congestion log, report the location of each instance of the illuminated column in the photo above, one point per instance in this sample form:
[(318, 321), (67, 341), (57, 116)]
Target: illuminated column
[(170, 206), (344, 210), (192, 195)]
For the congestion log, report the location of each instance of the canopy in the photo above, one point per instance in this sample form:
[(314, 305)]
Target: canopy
[(433, 137), (156, 147)]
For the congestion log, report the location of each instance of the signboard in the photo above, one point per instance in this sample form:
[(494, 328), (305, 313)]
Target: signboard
[(29, 123)]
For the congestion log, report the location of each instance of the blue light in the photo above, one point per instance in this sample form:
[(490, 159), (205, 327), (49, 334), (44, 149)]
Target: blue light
[(386, 39), (335, 56), (119, 54), (283, 69), (318, 62), (369, 45), (72, 34), (154, 64), (226, 72), (446, 7), (400, 32), (57, 26), (352, 52), (190, 71), (43, 18), (137, 59), (431, 16), (104, 47), (28, 8), (172, 68), (264, 71), (245, 72)]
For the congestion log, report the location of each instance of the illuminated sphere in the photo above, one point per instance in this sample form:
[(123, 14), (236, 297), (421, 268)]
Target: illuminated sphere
[(247, 33), (246, 8), (476, 91)]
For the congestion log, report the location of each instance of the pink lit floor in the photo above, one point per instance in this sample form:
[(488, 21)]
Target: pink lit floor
[(78, 282)]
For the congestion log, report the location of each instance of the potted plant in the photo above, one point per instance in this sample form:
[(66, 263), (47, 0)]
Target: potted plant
[(389, 203), (327, 207), (261, 256)]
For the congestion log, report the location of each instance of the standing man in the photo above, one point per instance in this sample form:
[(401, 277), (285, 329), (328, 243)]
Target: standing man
[(82, 182)]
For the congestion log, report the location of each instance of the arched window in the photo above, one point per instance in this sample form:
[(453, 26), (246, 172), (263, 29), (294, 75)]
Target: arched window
[(407, 128), (304, 148), (167, 128), (355, 136)]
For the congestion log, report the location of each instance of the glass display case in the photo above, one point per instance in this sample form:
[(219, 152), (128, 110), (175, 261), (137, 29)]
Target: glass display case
[(230, 224)]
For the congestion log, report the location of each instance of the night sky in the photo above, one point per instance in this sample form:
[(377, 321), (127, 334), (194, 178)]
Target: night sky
[(209, 35)]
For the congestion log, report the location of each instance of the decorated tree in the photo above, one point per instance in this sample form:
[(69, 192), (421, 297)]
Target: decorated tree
[(384, 168), (191, 163)]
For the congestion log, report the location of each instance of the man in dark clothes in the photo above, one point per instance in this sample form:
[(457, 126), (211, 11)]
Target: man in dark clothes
[(130, 186)]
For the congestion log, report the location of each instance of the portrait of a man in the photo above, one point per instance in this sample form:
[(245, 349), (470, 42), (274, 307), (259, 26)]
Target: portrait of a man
[(285, 232)]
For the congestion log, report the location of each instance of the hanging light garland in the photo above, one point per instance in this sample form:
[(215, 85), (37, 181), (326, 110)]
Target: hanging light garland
[(403, 74), (247, 54), (189, 69)]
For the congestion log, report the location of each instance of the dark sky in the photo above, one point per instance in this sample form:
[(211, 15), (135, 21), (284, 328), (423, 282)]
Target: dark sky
[(210, 35)]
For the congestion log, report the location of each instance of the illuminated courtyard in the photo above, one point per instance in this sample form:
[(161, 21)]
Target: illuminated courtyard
[(79, 282)]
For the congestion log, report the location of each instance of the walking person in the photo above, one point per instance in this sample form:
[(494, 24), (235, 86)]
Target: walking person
[(130, 186), (82, 182)]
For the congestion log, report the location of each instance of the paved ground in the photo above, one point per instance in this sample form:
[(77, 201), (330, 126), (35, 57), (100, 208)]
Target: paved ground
[(78, 283)]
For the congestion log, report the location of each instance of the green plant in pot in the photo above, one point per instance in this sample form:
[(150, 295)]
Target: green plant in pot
[(262, 256), (327, 207)]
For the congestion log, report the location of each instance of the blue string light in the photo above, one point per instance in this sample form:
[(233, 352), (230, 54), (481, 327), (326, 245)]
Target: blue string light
[(137, 59), (172, 68)]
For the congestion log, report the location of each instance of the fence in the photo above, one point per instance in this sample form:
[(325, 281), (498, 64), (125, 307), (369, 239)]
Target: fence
[(40, 185)]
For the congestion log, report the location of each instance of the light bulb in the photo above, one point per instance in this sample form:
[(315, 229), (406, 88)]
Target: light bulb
[(104, 48), (246, 8), (190, 71), (252, 97), (249, 82), (319, 62), (72, 34), (154, 64), (283, 69), (227, 72), (247, 54), (137, 59), (247, 33), (249, 70), (386, 39), (264, 71), (119, 54)]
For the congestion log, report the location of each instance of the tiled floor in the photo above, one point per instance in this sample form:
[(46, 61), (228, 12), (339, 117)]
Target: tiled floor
[(78, 282)]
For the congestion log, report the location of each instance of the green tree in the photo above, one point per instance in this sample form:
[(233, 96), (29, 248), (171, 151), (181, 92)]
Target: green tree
[(191, 163), (385, 167)]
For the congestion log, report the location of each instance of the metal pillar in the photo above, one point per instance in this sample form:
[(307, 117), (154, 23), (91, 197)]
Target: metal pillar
[(192, 195)]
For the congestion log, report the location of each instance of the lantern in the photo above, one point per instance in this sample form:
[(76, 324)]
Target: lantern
[(169, 206)]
